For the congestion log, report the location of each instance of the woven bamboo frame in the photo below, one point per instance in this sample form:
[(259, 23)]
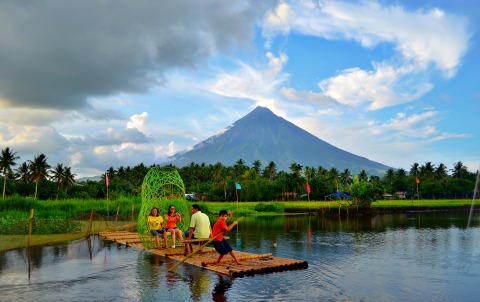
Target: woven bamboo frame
[(161, 187)]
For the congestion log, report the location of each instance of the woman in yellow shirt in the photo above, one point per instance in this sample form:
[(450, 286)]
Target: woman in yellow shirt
[(155, 223)]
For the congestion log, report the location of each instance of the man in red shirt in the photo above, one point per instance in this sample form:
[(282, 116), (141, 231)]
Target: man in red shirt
[(221, 245)]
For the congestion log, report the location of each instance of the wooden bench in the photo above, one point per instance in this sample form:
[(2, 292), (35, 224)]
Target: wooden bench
[(199, 240)]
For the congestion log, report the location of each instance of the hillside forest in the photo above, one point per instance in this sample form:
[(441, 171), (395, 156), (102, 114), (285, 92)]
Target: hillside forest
[(38, 179)]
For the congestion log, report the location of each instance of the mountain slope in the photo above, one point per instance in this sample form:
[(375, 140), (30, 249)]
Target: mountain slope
[(262, 135)]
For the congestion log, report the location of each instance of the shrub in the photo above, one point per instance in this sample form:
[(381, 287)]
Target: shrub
[(270, 207)]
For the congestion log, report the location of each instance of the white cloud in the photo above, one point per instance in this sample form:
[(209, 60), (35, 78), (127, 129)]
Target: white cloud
[(139, 122), (255, 83), (418, 37)]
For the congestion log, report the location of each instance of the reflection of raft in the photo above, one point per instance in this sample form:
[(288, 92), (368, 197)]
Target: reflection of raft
[(251, 263)]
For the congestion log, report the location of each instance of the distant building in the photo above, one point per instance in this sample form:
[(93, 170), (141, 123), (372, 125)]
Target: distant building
[(401, 194), (388, 196)]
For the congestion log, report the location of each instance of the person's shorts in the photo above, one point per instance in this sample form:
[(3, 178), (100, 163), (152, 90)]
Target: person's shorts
[(187, 233), (222, 247), (157, 232)]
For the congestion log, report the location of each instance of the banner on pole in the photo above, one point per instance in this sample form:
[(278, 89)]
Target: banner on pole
[(417, 180), (238, 186), (308, 188), (106, 179)]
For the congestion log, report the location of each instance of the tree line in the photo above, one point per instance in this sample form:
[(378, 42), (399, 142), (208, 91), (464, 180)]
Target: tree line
[(217, 182)]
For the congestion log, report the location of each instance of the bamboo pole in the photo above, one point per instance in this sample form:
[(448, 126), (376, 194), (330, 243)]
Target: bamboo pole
[(133, 210), (89, 229), (228, 260), (199, 248), (30, 226), (116, 216)]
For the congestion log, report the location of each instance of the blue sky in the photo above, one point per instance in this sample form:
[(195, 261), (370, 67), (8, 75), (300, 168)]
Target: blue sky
[(115, 83)]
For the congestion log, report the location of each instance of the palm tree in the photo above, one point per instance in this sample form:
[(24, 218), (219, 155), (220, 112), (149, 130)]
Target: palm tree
[(271, 171), (401, 173), (459, 170), (38, 169), (346, 177), (414, 169), (428, 171), (57, 175), (239, 168), (390, 175), (441, 172), (68, 179), (22, 172), (257, 164), (296, 170), (7, 160), (333, 173), (363, 176)]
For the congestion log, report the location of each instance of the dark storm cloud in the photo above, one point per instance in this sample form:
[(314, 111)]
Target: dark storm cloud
[(58, 53)]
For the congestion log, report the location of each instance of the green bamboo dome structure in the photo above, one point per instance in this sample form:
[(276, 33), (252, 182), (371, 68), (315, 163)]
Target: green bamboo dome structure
[(161, 187)]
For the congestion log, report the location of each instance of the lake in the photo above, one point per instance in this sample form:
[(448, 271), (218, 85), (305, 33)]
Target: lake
[(420, 256)]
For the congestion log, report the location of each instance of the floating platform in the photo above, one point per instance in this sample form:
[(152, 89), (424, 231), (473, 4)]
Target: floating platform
[(251, 264)]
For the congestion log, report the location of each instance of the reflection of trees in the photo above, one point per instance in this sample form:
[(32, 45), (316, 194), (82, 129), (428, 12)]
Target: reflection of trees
[(199, 283), (149, 269)]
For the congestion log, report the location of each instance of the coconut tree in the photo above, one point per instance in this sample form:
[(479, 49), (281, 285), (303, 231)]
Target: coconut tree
[(428, 171), (57, 175), (270, 171), (333, 173), (38, 169), (257, 164), (363, 176), (22, 172), (390, 176), (7, 160), (459, 171), (414, 169), (401, 173), (346, 177), (68, 179), (239, 168)]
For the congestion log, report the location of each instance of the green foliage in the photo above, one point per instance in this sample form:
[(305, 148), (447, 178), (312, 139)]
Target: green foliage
[(363, 194), (275, 207), (161, 188), (10, 225), (18, 203)]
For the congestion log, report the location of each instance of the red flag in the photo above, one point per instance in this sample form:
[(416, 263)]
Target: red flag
[(106, 179), (308, 188), (417, 180)]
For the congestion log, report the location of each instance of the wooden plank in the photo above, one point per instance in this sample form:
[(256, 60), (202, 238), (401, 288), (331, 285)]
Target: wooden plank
[(199, 240), (251, 264), (199, 248)]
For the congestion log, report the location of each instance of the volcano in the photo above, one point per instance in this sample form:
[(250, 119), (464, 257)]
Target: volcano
[(262, 135)]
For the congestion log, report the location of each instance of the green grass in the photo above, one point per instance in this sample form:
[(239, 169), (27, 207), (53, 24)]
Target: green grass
[(75, 214)]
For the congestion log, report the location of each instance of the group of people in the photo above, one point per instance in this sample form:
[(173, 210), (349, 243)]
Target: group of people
[(199, 229), (156, 225)]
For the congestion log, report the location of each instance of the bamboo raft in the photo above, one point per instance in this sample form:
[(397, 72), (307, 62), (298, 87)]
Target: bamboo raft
[(251, 264)]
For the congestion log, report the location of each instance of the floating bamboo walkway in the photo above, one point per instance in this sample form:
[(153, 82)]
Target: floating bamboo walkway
[(251, 264)]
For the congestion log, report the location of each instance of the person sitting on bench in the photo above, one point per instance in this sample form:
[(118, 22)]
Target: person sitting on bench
[(171, 219), (155, 224), (200, 228)]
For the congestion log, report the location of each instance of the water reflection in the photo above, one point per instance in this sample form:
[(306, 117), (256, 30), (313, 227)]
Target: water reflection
[(394, 257)]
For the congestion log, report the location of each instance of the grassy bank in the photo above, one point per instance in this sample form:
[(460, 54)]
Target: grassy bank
[(17, 210)]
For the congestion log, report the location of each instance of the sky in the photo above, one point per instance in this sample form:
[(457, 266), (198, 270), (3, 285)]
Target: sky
[(99, 84)]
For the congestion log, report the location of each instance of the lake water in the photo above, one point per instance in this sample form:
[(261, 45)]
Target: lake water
[(391, 257)]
